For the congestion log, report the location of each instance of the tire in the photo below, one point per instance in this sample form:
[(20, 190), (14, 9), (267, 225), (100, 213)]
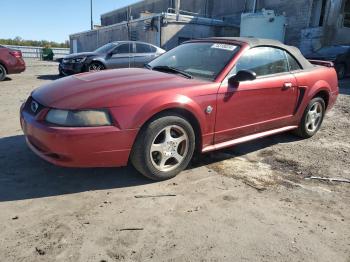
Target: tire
[(341, 71), (60, 73), (312, 118), (95, 67), (2, 73), (164, 147)]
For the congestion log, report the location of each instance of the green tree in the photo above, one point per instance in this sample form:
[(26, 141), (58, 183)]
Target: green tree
[(41, 43)]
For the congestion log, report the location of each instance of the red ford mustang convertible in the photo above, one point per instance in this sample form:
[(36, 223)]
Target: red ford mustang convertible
[(201, 96)]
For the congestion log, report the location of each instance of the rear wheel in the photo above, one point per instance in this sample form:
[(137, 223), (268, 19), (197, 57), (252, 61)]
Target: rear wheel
[(95, 66), (164, 147), (2, 73), (312, 118)]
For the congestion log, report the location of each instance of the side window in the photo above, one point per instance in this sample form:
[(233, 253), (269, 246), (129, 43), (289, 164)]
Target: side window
[(142, 48), (263, 61), (123, 49), (153, 49), (293, 64)]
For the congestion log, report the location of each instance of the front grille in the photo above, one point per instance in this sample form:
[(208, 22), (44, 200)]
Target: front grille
[(33, 107)]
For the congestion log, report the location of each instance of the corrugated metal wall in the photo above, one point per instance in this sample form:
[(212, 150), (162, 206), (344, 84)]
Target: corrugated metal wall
[(138, 30)]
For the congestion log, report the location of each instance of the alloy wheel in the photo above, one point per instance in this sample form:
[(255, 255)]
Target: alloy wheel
[(314, 117), (95, 67), (169, 148)]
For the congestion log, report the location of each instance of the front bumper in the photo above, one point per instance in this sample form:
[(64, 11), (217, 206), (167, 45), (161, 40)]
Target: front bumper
[(77, 147), (71, 69)]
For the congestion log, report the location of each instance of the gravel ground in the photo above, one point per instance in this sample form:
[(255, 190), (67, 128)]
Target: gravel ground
[(248, 203)]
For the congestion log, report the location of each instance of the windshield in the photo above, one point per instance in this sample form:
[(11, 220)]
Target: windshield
[(333, 50), (200, 60), (105, 48)]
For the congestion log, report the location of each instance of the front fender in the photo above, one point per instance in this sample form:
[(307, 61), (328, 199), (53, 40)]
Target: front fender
[(161, 103)]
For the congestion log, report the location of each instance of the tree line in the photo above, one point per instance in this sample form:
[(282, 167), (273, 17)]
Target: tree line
[(41, 43)]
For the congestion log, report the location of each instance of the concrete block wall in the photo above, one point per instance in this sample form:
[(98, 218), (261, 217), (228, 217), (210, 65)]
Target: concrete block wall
[(297, 12), (120, 15), (205, 8)]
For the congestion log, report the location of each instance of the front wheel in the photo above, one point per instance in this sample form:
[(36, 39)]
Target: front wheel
[(164, 147), (95, 67), (312, 118)]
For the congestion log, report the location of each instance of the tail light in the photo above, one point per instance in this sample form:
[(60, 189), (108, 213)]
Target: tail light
[(16, 53)]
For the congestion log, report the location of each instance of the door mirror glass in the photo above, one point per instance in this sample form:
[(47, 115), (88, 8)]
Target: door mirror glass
[(241, 76)]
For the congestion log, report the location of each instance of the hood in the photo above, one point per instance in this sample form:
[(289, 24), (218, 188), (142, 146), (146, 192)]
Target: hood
[(76, 55), (109, 88)]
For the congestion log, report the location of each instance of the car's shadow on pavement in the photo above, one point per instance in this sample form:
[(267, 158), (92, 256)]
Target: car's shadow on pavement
[(23, 175), (243, 149), (48, 77), (6, 79)]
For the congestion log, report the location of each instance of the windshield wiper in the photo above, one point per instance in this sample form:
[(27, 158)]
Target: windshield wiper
[(148, 66), (172, 69)]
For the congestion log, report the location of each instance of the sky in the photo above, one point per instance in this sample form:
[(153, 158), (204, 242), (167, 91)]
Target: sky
[(52, 20)]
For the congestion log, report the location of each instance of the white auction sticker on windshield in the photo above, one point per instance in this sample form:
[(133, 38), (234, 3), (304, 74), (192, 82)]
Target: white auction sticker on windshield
[(224, 47)]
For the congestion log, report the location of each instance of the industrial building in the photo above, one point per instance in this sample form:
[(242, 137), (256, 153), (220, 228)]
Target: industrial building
[(166, 30), (307, 24)]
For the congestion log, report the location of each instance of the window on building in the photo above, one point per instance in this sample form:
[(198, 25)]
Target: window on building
[(263, 61), (347, 13)]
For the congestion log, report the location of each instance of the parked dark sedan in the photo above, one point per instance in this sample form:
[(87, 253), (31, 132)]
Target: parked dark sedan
[(338, 54), (119, 54)]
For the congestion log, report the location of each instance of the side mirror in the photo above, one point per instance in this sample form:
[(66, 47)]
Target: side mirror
[(241, 76)]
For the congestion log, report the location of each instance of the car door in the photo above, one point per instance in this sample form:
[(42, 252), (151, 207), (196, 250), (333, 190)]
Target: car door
[(266, 103), (121, 56), (144, 54)]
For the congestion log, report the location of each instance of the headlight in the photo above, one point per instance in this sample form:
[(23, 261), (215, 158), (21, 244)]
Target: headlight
[(82, 118), (78, 60)]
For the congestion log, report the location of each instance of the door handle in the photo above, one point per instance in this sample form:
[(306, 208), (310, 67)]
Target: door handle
[(287, 85)]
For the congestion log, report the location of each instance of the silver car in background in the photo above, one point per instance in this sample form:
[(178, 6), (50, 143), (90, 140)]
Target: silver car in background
[(118, 54)]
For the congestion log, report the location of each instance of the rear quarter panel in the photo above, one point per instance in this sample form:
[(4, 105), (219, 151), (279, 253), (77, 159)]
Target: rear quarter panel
[(315, 80), (11, 63)]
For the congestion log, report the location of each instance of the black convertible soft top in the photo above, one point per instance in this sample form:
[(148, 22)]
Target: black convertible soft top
[(254, 42)]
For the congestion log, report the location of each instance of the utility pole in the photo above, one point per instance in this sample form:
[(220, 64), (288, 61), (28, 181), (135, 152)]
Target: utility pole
[(177, 9), (92, 23)]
